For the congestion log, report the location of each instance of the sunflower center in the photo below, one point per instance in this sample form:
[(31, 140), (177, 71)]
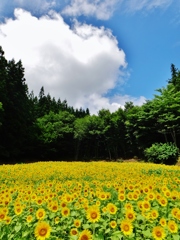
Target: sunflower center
[(112, 209), (172, 227), (2, 216), (158, 234), (84, 237), (65, 212), (126, 228), (74, 232), (42, 231), (130, 216), (40, 214), (93, 215)]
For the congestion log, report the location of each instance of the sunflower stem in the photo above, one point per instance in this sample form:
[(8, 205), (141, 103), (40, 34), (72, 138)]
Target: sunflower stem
[(93, 229)]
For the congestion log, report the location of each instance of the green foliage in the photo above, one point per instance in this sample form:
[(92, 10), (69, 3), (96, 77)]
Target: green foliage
[(54, 126), (164, 153)]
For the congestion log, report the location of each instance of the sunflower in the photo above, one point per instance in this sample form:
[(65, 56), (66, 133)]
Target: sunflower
[(167, 194), (8, 220), (85, 235), (74, 232), (67, 198), (130, 215), (135, 196), (112, 208), (42, 231), (177, 215), (128, 206), (102, 195), (151, 196), (174, 211), (65, 212), (40, 213), (63, 204), (146, 205), (130, 196), (77, 223), (163, 201), (126, 227), (2, 216), (54, 206), (98, 203), (121, 197), (39, 200), (154, 214), (56, 220), (172, 226), (29, 218), (93, 214), (113, 224), (158, 233), (18, 210), (162, 221)]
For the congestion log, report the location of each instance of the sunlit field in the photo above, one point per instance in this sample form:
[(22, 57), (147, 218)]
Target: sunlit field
[(83, 201)]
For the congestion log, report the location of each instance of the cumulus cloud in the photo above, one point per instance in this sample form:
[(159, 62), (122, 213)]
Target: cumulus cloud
[(101, 9), (79, 64), (96, 102)]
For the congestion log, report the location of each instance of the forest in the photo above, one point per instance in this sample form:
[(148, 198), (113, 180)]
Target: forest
[(44, 128)]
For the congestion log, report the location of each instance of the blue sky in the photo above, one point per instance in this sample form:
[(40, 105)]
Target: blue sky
[(96, 54)]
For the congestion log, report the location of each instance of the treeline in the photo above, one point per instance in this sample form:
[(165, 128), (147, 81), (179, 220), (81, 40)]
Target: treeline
[(41, 127)]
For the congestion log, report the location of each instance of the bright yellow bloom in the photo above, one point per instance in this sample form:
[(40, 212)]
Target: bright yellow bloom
[(154, 214), (74, 232), (42, 231), (163, 201), (130, 215), (174, 211), (2, 215), (77, 223), (40, 214), (121, 197), (102, 196), (8, 220), (158, 233), (126, 227), (162, 221), (85, 235), (113, 224), (172, 226), (65, 212), (56, 220), (111, 208), (29, 218), (18, 210), (146, 205), (54, 206), (93, 214)]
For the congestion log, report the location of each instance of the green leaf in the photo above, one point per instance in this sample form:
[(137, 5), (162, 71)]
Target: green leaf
[(147, 233), (176, 237), (86, 226), (17, 228)]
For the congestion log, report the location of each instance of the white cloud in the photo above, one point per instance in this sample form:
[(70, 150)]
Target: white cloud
[(101, 9), (80, 64), (104, 9), (137, 5), (35, 6), (96, 102)]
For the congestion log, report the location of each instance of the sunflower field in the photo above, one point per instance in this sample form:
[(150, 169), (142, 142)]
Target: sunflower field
[(89, 201)]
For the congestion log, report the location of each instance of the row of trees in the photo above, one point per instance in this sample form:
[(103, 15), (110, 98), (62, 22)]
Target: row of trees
[(45, 128)]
